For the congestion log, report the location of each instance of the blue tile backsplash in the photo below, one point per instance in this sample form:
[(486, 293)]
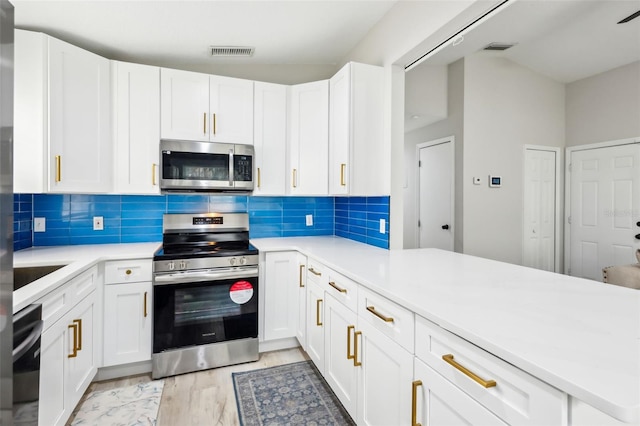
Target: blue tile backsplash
[(138, 218)]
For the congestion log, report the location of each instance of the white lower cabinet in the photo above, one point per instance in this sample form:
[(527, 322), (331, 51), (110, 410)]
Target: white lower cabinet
[(301, 326), (280, 294), (68, 362), (127, 323), (315, 324), (440, 402)]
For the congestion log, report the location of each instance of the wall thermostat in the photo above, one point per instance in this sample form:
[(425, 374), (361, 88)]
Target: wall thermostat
[(495, 181)]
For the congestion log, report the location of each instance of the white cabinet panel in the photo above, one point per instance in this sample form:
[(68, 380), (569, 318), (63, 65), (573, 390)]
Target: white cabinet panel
[(309, 139), (280, 295), (136, 127), (270, 139), (231, 108), (301, 332), (315, 324), (184, 98)]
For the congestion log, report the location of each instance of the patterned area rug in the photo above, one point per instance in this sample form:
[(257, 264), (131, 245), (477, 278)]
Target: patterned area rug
[(290, 394), (126, 406)]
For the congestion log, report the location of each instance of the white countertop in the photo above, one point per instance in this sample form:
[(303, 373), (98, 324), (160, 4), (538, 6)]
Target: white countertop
[(77, 259), (580, 336)]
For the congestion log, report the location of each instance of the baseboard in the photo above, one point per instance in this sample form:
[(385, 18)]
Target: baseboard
[(276, 345), (117, 371)]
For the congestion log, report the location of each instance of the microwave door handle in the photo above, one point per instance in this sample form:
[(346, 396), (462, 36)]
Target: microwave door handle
[(231, 167)]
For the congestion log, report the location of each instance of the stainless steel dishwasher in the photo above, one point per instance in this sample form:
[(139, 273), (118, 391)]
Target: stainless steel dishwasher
[(27, 330)]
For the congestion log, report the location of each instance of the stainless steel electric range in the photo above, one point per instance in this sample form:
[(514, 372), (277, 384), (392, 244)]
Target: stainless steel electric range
[(205, 294)]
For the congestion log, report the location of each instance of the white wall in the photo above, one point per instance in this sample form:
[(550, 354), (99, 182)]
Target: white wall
[(451, 126), (604, 107), (506, 106)]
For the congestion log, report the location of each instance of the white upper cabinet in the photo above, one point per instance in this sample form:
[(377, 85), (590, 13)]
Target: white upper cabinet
[(136, 127), (358, 159), (62, 117), (270, 138), (200, 107), (309, 139)]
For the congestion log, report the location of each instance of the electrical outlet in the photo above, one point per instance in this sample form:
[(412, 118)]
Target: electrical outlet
[(383, 225), (98, 223), (309, 220), (39, 224)]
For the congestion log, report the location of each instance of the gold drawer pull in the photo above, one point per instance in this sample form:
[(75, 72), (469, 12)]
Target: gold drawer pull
[(294, 178), (258, 177), (79, 322), (145, 304), (215, 127), (300, 283), (341, 290), (58, 168), (349, 354), (414, 402), (204, 123), (342, 169), (314, 272), (379, 315), (318, 322), (486, 383), (356, 363), (74, 327)]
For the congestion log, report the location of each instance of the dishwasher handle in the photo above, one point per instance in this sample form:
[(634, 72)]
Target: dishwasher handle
[(29, 341)]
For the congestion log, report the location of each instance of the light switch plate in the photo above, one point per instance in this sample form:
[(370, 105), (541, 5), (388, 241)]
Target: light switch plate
[(309, 219), (98, 223), (39, 224)]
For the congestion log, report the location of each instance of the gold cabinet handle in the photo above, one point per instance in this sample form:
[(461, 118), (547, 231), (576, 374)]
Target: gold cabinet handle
[(314, 272), (318, 322), (341, 290), (414, 402), (485, 383), (58, 168), (79, 322), (379, 315), (128, 272), (215, 127), (343, 166), (145, 304), (153, 174), (204, 123), (74, 327), (356, 363), (349, 354), (293, 182), (300, 283), (258, 177)]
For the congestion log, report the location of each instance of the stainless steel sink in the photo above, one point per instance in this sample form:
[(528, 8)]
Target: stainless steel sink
[(26, 275)]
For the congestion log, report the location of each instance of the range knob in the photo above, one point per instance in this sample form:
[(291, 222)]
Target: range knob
[(243, 260), (171, 266), (183, 265), (232, 261)]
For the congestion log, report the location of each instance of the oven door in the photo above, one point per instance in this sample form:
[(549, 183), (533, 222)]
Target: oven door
[(202, 307)]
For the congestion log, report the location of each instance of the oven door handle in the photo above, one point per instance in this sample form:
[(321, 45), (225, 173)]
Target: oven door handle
[(206, 275)]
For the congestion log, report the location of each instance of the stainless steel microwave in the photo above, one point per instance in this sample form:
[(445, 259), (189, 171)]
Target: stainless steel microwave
[(192, 166)]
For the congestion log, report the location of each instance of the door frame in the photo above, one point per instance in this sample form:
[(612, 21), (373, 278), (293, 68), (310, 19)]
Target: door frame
[(427, 144), (558, 201), (567, 189)]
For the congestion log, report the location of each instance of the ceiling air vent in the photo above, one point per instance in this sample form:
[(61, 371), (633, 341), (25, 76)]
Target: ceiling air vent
[(498, 46), (231, 51)]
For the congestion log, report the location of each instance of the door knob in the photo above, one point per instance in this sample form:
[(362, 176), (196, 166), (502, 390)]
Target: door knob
[(445, 227), (637, 223), (637, 236)]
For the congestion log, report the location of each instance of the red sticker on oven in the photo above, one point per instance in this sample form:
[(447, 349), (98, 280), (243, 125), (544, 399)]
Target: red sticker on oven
[(241, 292)]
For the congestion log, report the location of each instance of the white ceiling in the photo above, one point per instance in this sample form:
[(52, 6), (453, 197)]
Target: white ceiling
[(566, 40), (297, 32)]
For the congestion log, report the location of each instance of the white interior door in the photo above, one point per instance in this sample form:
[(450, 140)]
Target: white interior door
[(436, 194), (539, 239), (605, 195)]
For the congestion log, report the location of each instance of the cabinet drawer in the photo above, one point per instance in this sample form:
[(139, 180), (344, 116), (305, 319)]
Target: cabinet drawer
[(316, 271), (390, 318), (516, 397), (343, 289), (125, 271), (60, 301)]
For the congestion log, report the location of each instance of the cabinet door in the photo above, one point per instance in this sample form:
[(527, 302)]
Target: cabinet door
[(184, 105), (384, 379), (136, 106), (301, 332), (82, 368), (339, 130), (270, 138), (231, 109), (440, 402), (280, 295), (339, 366), (79, 120), (55, 346), (309, 140), (315, 325), (127, 323)]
